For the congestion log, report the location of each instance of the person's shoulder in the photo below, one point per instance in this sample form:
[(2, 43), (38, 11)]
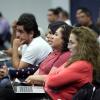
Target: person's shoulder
[(81, 65), (81, 62), (38, 40), (43, 43), (39, 43)]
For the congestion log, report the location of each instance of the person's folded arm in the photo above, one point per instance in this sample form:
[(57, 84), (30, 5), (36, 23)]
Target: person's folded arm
[(66, 76), (62, 78), (55, 69)]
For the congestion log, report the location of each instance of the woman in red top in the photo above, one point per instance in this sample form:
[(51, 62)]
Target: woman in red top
[(59, 43), (63, 83)]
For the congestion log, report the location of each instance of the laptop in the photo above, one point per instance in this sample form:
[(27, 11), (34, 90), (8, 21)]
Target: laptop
[(28, 89), (22, 87)]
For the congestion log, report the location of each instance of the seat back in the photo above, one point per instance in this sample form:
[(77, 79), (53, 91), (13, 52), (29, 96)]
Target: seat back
[(85, 93)]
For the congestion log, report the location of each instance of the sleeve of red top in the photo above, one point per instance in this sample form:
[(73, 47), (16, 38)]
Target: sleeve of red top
[(67, 75)]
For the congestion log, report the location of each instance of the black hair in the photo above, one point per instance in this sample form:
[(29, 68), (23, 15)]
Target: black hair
[(66, 30), (65, 13), (55, 11), (29, 23), (55, 25), (59, 9), (85, 10)]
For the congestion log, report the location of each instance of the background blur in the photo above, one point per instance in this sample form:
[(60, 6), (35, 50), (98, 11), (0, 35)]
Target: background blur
[(11, 9)]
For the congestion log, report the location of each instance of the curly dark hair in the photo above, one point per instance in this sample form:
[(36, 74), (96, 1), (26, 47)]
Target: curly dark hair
[(66, 30), (29, 23), (55, 25)]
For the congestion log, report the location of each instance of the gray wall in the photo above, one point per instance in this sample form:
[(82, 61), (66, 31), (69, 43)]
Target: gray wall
[(11, 9), (65, 4)]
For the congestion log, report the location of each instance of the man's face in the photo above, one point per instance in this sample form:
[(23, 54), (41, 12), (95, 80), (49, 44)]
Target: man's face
[(73, 43), (22, 34), (51, 17), (82, 18)]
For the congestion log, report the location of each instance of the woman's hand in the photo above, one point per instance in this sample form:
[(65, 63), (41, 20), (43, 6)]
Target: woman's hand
[(35, 79), (30, 80)]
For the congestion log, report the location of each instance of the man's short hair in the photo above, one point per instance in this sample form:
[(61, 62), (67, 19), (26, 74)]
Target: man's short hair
[(55, 11), (55, 25), (65, 14), (59, 9), (29, 23), (85, 10)]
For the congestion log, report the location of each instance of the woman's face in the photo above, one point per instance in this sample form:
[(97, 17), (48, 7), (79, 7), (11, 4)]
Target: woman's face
[(72, 45), (57, 39), (49, 37)]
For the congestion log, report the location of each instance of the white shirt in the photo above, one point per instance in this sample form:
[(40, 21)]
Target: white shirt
[(37, 51), (68, 22), (22, 48)]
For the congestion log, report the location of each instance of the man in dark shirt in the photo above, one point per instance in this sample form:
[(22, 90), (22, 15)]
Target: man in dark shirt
[(84, 18)]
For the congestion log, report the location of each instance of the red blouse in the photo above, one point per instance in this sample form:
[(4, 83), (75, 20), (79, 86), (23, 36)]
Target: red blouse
[(55, 59), (74, 76)]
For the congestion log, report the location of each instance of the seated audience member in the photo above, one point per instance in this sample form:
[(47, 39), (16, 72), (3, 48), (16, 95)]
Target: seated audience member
[(53, 15), (60, 51), (77, 71), (64, 16), (21, 48), (37, 48), (55, 59), (84, 18), (52, 29)]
